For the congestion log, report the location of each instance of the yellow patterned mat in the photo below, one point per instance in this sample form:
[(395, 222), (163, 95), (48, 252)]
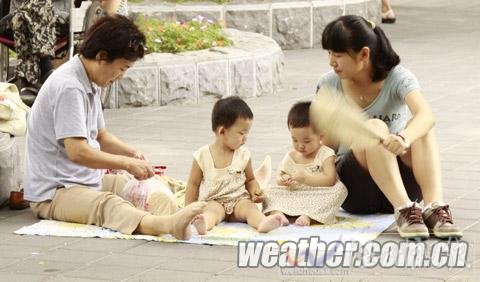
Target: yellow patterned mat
[(361, 228)]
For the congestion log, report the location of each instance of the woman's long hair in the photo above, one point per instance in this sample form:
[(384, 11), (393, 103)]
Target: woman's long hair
[(352, 33)]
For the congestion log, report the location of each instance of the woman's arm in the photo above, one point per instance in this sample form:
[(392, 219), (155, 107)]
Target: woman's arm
[(421, 123), (325, 179), (193, 183), (422, 120), (80, 152), (111, 144)]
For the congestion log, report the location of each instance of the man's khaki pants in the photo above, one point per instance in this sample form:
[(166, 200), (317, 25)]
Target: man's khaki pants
[(81, 204)]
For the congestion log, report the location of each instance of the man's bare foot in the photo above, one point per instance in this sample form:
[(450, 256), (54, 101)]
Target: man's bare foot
[(303, 220), (264, 172), (269, 223), (200, 225), (180, 221)]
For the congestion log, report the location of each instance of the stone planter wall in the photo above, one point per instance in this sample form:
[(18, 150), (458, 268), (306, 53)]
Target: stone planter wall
[(250, 67), (293, 24)]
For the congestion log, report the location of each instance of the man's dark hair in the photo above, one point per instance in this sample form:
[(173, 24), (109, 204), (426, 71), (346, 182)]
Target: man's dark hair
[(117, 36), (226, 111)]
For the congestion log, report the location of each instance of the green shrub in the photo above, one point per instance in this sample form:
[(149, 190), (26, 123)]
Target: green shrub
[(174, 37), (183, 1), (12, 54)]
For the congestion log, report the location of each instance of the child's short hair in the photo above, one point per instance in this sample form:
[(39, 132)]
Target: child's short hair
[(298, 116), (226, 111)]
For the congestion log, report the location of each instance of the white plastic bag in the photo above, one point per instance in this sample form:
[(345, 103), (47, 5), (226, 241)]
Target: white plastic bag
[(141, 192), (9, 166), (12, 110)]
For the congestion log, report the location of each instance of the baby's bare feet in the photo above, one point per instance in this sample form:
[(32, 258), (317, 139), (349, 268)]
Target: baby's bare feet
[(303, 220), (285, 220), (180, 227), (200, 225), (269, 223)]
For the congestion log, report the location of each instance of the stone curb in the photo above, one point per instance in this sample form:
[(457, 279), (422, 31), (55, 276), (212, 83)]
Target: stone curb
[(252, 66), (293, 24)]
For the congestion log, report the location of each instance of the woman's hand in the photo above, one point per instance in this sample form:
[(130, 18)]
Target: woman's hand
[(139, 155), (395, 144), (141, 169)]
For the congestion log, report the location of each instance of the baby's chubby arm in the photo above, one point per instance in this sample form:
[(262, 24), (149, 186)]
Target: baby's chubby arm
[(251, 184), (327, 178), (284, 179), (193, 184)]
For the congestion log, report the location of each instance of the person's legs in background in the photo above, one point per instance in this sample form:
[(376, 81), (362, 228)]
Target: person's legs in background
[(388, 16), (34, 32)]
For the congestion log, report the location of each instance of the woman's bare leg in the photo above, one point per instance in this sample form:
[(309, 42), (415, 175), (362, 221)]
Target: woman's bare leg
[(424, 159), (383, 167), (386, 5)]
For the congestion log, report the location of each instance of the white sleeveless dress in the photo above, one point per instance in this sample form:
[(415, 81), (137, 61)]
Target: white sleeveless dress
[(223, 185), (319, 203)]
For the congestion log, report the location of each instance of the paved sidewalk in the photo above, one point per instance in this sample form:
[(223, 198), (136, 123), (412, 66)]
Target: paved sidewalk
[(437, 40)]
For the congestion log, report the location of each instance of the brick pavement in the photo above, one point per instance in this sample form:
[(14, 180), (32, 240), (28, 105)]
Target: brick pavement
[(437, 40)]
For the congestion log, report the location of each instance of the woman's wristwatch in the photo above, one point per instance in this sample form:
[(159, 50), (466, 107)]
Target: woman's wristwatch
[(405, 139)]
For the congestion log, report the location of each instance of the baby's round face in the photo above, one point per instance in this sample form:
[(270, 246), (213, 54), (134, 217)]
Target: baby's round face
[(236, 135), (304, 140)]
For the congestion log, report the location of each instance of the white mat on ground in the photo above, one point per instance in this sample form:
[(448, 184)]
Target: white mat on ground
[(361, 228)]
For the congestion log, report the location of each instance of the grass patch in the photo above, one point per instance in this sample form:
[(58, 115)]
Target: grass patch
[(174, 37)]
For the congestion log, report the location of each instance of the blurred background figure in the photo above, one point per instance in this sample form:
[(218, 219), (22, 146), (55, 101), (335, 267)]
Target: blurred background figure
[(36, 26), (388, 16)]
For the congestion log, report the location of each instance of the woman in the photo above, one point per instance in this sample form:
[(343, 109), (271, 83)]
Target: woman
[(404, 167), (68, 146)]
